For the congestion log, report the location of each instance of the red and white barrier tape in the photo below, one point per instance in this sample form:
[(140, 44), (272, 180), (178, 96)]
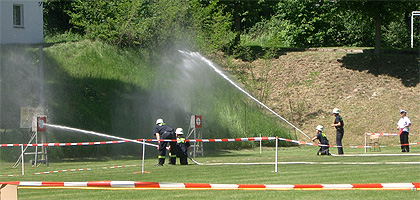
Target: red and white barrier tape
[(204, 186), (256, 139), (323, 145), (389, 134), (253, 139), (114, 167), (67, 170), (64, 144)]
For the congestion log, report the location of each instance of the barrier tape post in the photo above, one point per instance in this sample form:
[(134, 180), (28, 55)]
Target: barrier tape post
[(142, 160), (23, 161), (260, 144), (277, 145), (365, 142)]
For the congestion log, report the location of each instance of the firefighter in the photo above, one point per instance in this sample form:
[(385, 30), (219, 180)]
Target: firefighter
[(324, 150), (163, 131), (182, 146), (339, 126), (403, 125)]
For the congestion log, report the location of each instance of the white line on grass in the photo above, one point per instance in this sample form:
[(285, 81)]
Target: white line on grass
[(368, 155), (321, 163)]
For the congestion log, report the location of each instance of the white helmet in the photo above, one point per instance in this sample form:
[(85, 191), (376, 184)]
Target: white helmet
[(179, 131), (403, 111), (336, 111), (320, 128), (159, 121)]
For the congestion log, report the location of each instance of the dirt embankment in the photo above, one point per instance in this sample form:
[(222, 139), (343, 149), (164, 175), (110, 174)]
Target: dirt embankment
[(305, 86)]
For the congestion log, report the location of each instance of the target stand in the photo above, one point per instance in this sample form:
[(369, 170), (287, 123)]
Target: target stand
[(41, 129), (40, 154), (195, 130)]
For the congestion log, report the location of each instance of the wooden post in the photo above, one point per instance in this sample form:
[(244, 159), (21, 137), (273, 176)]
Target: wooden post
[(8, 192)]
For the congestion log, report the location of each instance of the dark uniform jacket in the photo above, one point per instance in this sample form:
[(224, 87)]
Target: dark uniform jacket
[(182, 146), (322, 138), (164, 131), (338, 118)]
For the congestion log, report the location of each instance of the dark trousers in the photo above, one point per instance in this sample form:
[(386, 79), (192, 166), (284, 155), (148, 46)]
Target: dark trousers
[(172, 153), (405, 147), (339, 137), (162, 149), (323, 151), (183, 160), (182, 156)]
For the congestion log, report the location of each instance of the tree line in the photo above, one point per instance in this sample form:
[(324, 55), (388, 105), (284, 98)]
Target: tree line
[(224, 25)]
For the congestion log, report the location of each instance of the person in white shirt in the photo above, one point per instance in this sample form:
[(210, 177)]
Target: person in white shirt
[(403, 126)]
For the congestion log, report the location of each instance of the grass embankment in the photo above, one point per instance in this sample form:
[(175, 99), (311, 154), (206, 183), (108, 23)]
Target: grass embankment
[(341, 170), (305, 86)]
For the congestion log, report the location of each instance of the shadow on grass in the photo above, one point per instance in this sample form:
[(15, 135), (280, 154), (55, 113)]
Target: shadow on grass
[(399, 64), (251, 53)]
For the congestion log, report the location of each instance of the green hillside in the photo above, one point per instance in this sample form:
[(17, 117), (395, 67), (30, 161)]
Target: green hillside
[(121, 92)]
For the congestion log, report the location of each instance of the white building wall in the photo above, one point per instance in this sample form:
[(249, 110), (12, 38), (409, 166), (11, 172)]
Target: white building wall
[(32, 30)]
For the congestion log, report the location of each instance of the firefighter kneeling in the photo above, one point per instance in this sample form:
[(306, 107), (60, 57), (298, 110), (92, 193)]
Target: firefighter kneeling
[(182, 147), (324, 150)]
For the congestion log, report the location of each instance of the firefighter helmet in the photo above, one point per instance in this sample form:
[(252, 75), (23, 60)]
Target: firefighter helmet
[(320, 128), (179, 131), (159, 121)]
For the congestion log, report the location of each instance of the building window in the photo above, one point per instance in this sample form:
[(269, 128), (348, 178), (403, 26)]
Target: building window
[(18, 15)]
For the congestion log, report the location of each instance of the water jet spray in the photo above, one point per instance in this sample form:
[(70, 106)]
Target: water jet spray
[(218, 71), (108, 136), (97, 134)]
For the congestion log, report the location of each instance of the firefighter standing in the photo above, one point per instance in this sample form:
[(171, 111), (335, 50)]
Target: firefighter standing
[(403, 125), (324, 150), (182, 147), (162, 131), (339, 126)]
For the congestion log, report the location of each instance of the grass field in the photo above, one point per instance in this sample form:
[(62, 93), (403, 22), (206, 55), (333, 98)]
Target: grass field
[(330, 170)]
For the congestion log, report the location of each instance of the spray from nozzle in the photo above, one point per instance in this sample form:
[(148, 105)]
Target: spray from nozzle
[(97, 134), (212, 65)]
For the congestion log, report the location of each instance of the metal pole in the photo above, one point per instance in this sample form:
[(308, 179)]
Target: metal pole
[(41, 77), (142, 160), (412, 26), (365, 142), (36, 149), (23, 162), (260, 144), (277, 145), (195, 142), (412, 39)]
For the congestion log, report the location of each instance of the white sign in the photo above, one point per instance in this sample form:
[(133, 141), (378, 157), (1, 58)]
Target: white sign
[(27, 114)]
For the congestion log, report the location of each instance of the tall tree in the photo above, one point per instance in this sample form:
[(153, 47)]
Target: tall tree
[(211, 25), (382, 12), (310, 23), (247, 13), (56, 20)]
